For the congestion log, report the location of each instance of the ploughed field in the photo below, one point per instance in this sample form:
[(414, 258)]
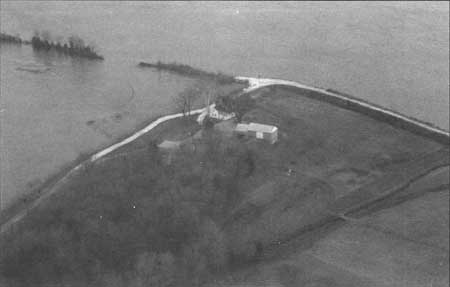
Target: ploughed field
[(340, 200)]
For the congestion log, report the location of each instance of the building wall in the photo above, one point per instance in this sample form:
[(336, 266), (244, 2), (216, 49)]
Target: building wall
[(270, 137), (275, 136)]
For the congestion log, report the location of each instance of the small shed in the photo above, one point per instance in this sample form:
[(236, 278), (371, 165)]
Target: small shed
[(259, 131), (266, 132), (168, 148), (169, 145)]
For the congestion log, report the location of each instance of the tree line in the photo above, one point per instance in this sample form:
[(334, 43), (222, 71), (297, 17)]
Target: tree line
[(6, 38), (74, 46)]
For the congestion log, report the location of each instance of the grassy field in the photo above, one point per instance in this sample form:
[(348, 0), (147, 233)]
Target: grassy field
[(357, 159), (339, 158), (404, 245), (241, 211)]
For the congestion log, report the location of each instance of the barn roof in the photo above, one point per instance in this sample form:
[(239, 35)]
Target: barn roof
[(261, 128), (243, 128)]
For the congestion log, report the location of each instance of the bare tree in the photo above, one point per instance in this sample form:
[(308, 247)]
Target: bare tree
[(186, 99), (205, 91), (209, 91)]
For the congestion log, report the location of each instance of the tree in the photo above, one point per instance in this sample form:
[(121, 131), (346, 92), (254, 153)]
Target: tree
[(46, 36), (209, 91), (75, 42), (186, 99), (204, 90)]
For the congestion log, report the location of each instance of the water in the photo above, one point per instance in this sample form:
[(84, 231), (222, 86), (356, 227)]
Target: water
[(392, 54)]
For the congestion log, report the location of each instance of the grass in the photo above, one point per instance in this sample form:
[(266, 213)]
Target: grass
[(384, 108), (220, 205), (394, 246), (173, 130), (378, 115), (27, 200)]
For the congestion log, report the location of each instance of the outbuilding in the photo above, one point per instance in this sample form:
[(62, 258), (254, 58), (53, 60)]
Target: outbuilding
[(213, 113), (169, 145), (168, 149), (241, 129), (265, 132)]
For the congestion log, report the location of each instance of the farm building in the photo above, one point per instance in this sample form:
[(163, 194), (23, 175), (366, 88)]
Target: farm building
[(168, 148), (259, 131), (241, 129), (169, 145), (212, 112)]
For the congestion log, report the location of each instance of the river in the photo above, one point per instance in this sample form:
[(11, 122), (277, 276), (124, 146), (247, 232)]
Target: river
[(392, 54)]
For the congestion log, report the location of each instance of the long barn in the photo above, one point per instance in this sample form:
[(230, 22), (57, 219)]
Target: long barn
[(259, 131)]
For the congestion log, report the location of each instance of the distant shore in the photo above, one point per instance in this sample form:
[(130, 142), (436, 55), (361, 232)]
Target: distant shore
[(10, 39), (73, 47)]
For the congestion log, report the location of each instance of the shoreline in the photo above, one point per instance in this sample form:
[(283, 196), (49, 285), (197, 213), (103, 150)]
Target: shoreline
[(53, 183), (365, 108), (192, 72), (348, 102)]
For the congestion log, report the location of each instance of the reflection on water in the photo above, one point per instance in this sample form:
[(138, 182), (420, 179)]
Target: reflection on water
[(395, 55)]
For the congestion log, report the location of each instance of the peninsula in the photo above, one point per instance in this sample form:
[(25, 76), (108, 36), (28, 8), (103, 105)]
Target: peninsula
[(217, 209), (188, 71)]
